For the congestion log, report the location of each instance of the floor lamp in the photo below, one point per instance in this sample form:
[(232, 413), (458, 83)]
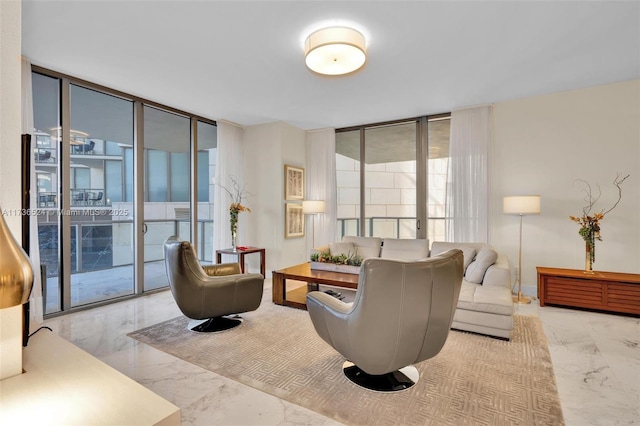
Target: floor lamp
[(313, 207), (521, 205)]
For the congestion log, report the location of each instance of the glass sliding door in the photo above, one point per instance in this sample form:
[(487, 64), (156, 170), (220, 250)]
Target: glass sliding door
[(46, 115), (115, 177), (167, 177), (100, 218), (206, 160)]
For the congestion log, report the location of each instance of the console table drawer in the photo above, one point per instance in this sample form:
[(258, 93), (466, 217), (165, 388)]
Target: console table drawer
[(608, 291), (624, 298), (581, 293)]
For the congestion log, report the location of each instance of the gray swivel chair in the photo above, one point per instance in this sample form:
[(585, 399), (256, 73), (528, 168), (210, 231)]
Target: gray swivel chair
[(209, 292), (401, 315)]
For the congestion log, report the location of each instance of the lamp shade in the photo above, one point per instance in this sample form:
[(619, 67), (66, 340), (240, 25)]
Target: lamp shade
[(521, 204), (312, 206), (335, 51)]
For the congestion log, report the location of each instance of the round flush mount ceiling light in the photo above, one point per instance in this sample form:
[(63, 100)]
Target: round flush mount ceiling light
[(335, 51)]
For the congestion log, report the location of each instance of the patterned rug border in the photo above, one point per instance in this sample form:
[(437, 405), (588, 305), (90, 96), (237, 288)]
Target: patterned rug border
[(497, 382)]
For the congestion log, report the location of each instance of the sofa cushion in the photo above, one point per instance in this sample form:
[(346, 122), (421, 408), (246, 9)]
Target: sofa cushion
[(468, 252), (367, 252), (476, 269), (405, 249), (446, 245), (365, 246), (337, 249), (492, 300), (484, 323)]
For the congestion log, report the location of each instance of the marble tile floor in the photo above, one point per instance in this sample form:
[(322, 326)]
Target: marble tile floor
[(596, 359)]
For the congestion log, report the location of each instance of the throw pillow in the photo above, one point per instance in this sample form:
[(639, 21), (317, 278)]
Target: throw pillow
[(476, 270), (337, 249), (366, 246), (469, 253), (405, 249), (439, 247), (367, 252)]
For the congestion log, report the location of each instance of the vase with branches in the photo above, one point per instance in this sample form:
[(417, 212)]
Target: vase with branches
[(238, 195), (590, 222)]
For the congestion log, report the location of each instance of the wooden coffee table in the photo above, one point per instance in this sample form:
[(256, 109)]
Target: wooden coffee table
[(297, 298)]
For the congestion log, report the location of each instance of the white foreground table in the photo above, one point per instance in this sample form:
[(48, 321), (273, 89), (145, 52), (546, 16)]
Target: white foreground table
[(63, 385)]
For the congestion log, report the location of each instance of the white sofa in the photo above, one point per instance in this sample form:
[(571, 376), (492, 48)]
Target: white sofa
[(485, 305)]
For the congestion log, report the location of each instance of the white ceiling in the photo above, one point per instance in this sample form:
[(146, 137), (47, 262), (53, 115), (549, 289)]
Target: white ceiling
[(243, 61)]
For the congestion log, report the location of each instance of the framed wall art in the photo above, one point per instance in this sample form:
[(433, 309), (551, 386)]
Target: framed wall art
[(293, 183), (294, 221)]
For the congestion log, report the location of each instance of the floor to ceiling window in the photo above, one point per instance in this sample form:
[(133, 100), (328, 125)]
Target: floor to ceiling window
[(437, 168), (166, 188), (206, 165), (348, 182), (100, 236), (46, 116), (111, 166), (391, 178)]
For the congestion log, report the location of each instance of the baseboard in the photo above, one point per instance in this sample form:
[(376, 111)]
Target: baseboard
[(530, 290)]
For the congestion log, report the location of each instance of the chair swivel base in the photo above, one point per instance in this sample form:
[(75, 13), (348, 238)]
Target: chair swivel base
[(395, 381), (215, 324)]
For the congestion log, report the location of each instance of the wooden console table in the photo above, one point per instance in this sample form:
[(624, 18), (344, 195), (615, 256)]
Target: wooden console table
[(606, 291), (241, 253)]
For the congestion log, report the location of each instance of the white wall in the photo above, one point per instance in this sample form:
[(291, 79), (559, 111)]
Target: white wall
[(541, 145), (294, 153), (10, 129), (268, 147), (10, 108)]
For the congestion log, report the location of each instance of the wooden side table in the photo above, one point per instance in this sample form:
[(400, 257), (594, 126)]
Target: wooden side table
[(606, 291), (241, 254)]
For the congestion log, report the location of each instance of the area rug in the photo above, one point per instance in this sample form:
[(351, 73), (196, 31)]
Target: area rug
[(474, 380)]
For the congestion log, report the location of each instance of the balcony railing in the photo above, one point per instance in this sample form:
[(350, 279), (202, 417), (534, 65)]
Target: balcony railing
[(93, 197), (87, 197), (392, 227), (47, 199), (45, 155), (92, 243), (83, 148)]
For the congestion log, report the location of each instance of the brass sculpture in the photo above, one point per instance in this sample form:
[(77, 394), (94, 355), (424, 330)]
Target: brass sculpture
[(16, 274)]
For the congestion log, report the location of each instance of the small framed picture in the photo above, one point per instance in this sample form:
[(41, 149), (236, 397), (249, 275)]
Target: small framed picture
[(293, 183), (294, 221)]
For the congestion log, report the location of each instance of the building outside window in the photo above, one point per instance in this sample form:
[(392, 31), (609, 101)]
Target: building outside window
[(87, 188), (389, 187)]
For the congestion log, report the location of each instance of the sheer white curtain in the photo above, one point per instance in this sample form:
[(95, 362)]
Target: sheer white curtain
[(36, 307), (468, 175), (229, 163), (321, 183)]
